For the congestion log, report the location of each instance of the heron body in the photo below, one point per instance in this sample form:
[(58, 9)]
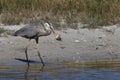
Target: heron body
[(34, 31)]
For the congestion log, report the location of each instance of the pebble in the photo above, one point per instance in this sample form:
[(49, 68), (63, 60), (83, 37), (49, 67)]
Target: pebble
[(77, 41), (77, 53), (62, 47)]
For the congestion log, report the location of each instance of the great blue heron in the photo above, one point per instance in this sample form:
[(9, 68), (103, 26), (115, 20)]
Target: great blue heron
[(34, 31)]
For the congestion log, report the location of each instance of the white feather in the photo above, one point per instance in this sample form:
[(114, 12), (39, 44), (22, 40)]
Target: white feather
[(47, 26)]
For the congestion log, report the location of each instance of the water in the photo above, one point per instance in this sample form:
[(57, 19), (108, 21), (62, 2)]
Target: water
[(84, 70)]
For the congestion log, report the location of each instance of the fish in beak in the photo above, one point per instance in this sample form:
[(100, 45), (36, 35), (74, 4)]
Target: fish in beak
[(57, 36)]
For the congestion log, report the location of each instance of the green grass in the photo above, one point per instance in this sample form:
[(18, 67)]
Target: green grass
[(5, 33), (92, 12), (2, 30)]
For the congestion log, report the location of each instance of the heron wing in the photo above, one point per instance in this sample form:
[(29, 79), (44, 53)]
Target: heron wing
[(26, 32), (32, 31)]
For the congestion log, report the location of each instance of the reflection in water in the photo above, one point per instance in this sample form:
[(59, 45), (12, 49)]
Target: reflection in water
[(36, 74), (26, 73), (92, 70), (20, 72)]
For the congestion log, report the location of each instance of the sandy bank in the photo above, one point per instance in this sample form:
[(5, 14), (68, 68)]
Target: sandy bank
[(77, 45)]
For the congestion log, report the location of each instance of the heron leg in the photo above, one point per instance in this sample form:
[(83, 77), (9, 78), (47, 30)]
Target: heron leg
[(28, 43), (37, 45)]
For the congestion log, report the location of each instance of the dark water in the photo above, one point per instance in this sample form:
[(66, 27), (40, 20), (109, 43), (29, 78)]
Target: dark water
[(89, 70)]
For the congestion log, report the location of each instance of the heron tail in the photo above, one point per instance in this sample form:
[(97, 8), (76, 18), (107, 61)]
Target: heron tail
[(14, 34)]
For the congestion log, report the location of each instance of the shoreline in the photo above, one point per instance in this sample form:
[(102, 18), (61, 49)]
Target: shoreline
[(77, 45)]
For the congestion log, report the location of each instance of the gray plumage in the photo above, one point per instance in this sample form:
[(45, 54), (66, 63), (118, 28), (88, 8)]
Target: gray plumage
[(34, 31)]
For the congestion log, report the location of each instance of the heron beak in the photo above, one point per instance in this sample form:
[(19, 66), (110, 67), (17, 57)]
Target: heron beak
[(59, 38), (56, 35)]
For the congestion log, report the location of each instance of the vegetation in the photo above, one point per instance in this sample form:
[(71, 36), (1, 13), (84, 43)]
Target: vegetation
[(93, 12), (2, 30), (4, 33)]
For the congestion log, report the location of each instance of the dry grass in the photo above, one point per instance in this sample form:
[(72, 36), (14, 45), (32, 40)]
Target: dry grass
[(93, 12)]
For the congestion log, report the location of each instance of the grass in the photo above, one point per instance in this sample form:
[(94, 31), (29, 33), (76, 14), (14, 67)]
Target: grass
[(92, 12), (5, 33), (2, 30)]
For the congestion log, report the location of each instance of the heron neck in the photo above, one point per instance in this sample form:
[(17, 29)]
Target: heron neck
[(47, 32)]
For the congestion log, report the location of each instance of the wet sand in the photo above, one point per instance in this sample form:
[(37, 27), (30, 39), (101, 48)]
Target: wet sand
[(76, 45)]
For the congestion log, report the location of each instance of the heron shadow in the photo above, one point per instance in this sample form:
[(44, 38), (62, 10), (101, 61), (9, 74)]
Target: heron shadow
[(27, 61)]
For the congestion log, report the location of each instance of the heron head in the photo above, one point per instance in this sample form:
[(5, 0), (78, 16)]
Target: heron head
[(49, 26)]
